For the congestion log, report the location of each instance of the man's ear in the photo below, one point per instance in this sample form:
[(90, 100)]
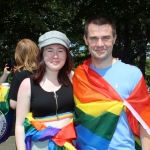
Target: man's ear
[(85, 40), (114, 41)]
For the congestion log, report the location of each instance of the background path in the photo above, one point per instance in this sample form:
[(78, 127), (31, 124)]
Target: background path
[(9, 144)]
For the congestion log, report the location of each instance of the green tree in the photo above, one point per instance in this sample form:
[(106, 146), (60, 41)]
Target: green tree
[(29, 19)]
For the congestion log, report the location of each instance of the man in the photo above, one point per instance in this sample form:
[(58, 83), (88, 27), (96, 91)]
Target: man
[(112, 101)]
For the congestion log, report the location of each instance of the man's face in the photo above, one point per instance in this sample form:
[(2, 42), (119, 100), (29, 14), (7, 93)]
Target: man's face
[(100, 41)]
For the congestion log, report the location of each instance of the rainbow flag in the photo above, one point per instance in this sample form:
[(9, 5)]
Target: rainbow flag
[(6, 115), (98, 108), (59, 138)]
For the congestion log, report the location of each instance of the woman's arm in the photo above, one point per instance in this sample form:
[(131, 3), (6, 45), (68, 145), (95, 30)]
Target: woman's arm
[(71, 75), (13, 104), (4, 76), (23, 107)]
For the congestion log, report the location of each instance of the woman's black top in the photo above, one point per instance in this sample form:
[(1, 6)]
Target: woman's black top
[(44, 103), (18, 77)]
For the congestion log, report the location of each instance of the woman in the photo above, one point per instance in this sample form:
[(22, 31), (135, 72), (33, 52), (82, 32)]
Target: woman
[(25, 56), (48, 94)]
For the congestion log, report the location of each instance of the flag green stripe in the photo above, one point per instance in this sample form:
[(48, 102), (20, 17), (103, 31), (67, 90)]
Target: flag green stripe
[(103, 126), (27, 125), (137, 146)]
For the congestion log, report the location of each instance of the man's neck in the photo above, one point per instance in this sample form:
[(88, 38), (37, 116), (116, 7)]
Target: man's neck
[(103, 63)]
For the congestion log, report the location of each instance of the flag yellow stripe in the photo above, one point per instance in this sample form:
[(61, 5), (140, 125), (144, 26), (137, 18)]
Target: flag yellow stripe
[(96, 108)]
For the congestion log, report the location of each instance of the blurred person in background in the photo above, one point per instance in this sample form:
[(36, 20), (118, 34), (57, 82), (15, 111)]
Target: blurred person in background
[(25, 56), (5, 74)]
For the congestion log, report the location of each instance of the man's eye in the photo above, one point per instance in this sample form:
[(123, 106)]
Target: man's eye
[(106, 38), (93, 38)]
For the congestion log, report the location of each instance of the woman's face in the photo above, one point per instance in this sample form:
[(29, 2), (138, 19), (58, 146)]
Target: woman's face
[(54, 56)]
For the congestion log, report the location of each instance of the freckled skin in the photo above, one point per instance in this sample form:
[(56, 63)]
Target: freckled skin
[(54, 57)]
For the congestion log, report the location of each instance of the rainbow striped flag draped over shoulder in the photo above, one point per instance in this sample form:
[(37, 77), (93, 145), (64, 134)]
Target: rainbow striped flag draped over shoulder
[(98, 107), (59, 138)]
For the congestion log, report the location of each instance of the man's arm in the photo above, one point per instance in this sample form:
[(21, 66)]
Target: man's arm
[(145, 139)]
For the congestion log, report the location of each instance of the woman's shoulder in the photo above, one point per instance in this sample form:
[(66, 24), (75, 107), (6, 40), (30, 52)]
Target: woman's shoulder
[(25, 83), (71, 75), (22, 74)]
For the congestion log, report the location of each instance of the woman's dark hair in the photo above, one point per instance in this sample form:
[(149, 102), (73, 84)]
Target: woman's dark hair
[(63, 73)]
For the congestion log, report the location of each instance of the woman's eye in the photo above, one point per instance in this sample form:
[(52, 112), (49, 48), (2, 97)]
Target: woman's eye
[(50, 50), (60, 50)]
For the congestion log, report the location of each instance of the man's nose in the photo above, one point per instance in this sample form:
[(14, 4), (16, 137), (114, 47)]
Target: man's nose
[(100, 42)]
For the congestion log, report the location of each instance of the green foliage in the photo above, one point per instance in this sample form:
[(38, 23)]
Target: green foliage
[(31, 18), (148, 72)]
